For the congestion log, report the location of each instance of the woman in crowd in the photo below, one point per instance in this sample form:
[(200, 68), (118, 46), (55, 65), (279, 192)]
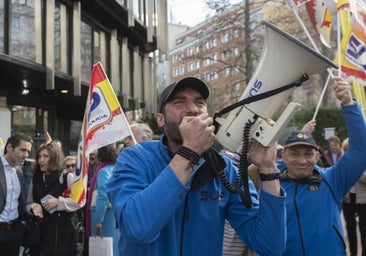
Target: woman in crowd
[(49, 191), (102, 221)]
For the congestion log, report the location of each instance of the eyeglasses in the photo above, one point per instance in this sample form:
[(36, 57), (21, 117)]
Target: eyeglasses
[(70, 166)]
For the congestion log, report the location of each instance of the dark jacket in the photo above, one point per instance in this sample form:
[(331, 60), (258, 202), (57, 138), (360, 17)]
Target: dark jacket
[(56, 228)]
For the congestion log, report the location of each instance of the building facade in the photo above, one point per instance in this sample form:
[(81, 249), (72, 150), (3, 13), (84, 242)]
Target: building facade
[(47, 51), (213, 52), (220, 52)]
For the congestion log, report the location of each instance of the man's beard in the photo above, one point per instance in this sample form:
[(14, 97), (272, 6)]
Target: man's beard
[(171, 130)]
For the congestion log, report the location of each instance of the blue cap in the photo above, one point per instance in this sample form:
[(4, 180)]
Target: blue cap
[(300, 138)]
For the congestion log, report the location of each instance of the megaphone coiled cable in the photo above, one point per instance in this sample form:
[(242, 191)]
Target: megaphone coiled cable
[(243, 180), (242, 183)]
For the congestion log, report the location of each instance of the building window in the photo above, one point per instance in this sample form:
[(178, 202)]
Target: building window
[(97, 46), (214, 42), (2, 25), (196, 49), (62, 40), (180, 56), (207, 61), (235, 51), (102, 47), (57, 49), (214, 58), (139, 8), (225, 55), (86, 50), (214, 75), (227, 71), (207, 76), (235, 70), (175, 72), (23, 30), (190, 51), (235, 33), (197, 64), (175, 58), (236, 90), (190, 66), (207, 45), (181, 70), (225, 37)]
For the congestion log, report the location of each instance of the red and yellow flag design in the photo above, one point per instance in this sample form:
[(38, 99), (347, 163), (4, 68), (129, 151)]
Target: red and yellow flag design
[(321, 18), (104, 123)]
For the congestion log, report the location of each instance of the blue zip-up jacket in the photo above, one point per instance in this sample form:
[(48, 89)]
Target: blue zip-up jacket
[(314, 224), (157, 215)]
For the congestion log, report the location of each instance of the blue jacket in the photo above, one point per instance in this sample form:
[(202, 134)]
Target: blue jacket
[(157, 215), (314, 225)]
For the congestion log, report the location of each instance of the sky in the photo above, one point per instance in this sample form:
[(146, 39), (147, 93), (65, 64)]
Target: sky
[(189, 12)]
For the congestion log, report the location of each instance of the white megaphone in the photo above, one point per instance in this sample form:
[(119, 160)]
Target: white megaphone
[(284, 64)]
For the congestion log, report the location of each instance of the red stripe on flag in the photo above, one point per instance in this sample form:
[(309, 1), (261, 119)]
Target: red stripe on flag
[(98, 74)]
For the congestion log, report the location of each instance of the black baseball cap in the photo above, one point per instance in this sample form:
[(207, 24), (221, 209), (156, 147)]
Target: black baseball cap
[(300, 138), (191, 82)]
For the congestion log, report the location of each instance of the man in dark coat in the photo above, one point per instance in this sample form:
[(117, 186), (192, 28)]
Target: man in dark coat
[(12, 193)]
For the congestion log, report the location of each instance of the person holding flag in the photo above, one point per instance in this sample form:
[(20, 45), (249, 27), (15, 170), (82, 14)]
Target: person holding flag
[(104, 123), (315, 194)]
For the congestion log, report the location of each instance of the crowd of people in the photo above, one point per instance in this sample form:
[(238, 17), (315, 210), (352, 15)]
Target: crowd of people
[(167, 196), (36, 193)]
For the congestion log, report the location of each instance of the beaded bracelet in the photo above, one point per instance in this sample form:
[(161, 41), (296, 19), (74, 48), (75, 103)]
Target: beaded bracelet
[(269, 176), (189, 154)]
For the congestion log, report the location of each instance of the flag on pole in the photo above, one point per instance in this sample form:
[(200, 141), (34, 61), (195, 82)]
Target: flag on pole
[(343, 5), (47, 138), (358, 9), (104, 123), (321, 18), (352, 46), (359, 92), (353, 52)]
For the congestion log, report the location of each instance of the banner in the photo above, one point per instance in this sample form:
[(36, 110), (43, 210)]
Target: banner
[(359, 92), (353, 52), (104, 123), (321, 18)]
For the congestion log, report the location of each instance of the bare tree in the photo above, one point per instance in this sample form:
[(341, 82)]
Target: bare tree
[(246, 17), (229, 44)]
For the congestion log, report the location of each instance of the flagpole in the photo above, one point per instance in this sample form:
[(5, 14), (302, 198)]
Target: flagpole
[(321, 97), (305, 29), (339, 44), (317, 49)]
